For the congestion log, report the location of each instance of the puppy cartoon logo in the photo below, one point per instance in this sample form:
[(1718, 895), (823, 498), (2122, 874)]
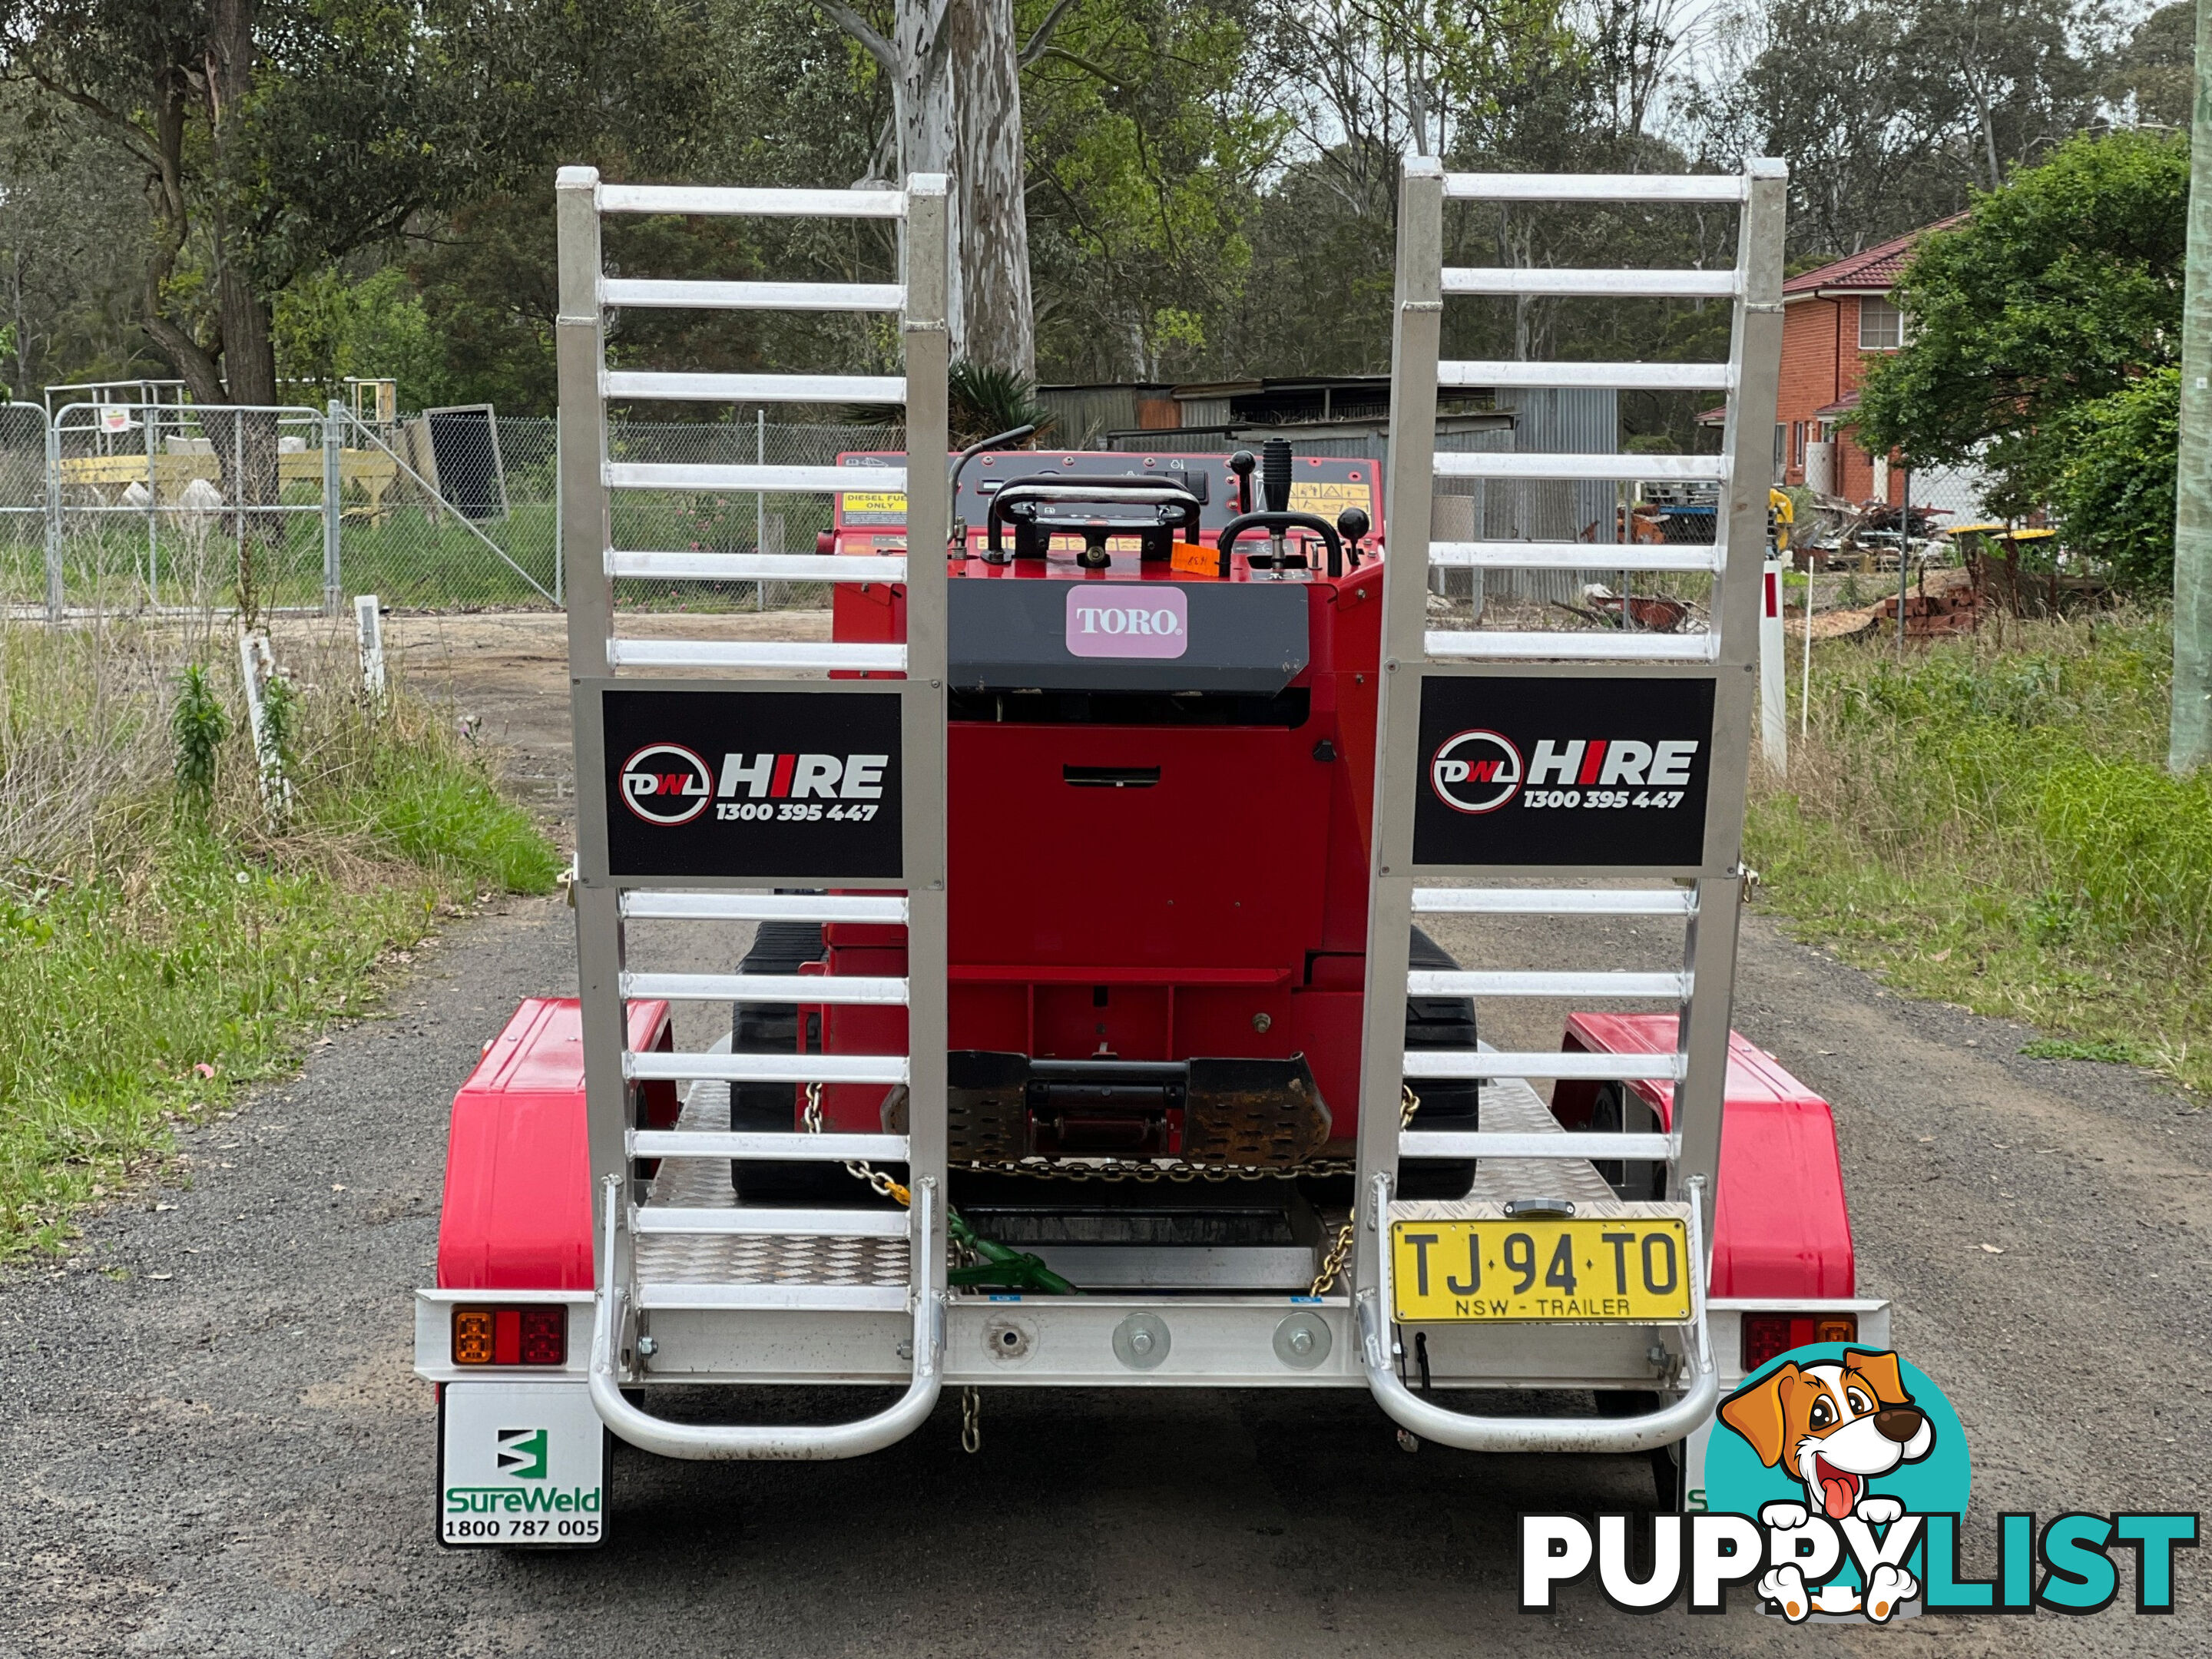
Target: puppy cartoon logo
[(1475, 772), (1835, 1427), (666, 783)]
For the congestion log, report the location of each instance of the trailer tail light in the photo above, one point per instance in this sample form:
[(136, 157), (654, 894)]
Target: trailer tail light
[(1766, 1334), (535, 1336)]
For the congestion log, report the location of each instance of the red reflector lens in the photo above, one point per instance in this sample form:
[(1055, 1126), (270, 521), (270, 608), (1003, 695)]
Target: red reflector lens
[(534, 1335), (546, 1336), (472, 1336), (1766, 1334)]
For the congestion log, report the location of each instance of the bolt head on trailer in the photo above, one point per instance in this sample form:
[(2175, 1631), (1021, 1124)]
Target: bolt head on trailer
[(1132, 804)]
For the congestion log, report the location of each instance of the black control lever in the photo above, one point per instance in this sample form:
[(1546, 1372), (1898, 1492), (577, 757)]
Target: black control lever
[(1354, 524), (1275, 524), (1275, 474), (1241, 463)]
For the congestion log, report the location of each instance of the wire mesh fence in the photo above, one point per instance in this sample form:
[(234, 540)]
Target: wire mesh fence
[(22, 504), (730, 521), (144, 507)]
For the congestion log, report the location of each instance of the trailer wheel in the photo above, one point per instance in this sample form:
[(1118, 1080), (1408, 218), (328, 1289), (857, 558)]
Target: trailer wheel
[(1609, 1114), (1666, 1460)]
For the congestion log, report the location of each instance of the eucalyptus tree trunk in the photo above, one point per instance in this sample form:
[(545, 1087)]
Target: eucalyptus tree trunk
[(998, 323), (956, 93)]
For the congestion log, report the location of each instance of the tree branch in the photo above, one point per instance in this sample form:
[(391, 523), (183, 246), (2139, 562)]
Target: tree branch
[(859, 28), (1043, 35), (1112, 80), (129, 132)]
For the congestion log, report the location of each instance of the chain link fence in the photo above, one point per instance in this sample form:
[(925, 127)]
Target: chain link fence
[(730, 521), (139, 506)]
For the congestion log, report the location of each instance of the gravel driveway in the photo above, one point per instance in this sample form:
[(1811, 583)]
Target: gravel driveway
[(213, 1442)]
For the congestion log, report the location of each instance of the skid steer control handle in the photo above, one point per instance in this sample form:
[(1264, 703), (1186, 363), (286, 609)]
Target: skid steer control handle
[(1276, 523), (1182, 510)]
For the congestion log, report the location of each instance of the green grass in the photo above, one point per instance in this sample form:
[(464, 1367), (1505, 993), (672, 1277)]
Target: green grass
[(1992, 825), (174, 953), (449, 820)]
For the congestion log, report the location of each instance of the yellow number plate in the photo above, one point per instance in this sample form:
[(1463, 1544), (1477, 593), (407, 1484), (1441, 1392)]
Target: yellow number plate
[(1595, 1269)]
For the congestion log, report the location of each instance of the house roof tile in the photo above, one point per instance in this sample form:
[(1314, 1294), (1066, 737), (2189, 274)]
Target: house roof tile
[(1872, 271)]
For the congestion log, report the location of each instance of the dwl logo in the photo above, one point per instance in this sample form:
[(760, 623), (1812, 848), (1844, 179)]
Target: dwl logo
[(666, 783), (1475, 772)]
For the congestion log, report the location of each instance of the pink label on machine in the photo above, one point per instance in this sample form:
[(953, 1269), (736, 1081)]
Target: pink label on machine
[(1126, 619)]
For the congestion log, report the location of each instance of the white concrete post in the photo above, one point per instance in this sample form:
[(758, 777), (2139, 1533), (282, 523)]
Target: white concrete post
[(368, 625)]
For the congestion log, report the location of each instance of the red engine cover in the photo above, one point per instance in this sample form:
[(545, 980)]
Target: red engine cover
[(1780, 1227), (518, 1210)]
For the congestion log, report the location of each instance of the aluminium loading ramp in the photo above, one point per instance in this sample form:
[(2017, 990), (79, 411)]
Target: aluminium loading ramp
[(662, 833), (1473, 722)]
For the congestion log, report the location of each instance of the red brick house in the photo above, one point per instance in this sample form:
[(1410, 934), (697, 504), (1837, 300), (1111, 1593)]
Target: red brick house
[(1834, 320)]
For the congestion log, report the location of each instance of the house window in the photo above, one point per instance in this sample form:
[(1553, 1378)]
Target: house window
[(1881, 325)]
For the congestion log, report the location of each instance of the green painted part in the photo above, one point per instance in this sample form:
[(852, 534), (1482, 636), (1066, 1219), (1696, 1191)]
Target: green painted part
[(2190, 744), (1012, 1270)]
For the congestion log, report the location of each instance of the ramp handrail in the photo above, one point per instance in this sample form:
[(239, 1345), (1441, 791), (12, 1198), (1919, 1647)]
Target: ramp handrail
[(1470, 1432), (782, 1442)]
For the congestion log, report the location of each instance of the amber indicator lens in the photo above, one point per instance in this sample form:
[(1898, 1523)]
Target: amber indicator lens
[(472, 1336)]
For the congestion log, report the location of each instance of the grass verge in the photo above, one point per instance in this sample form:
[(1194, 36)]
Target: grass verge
[(159, 951), (1992, 825)]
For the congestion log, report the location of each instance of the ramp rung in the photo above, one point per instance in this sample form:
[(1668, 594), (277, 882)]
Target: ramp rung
[(816, 1224), (764, 1068), (667, 294), (1555, 901), (1611, 645), (1610, 283), (839, 988), (776, 1298), (800, 480), (1622, 377), (722, 1144), (678, 387), (1569, 555), (1547, 982), (1413, 1144), (1558, 1064), (759, 203), (1632, 187), (1576, 469), (756, 567), (652, 904), (753, 653)]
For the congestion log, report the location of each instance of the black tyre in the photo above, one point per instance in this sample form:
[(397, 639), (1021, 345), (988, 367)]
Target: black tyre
[(1609, 1114), (1447, 1104), (772, 1028)]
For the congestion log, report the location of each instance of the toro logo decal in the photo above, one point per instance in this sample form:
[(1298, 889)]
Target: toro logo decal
[(1128, 619), (666, 783), (1475, 771)]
